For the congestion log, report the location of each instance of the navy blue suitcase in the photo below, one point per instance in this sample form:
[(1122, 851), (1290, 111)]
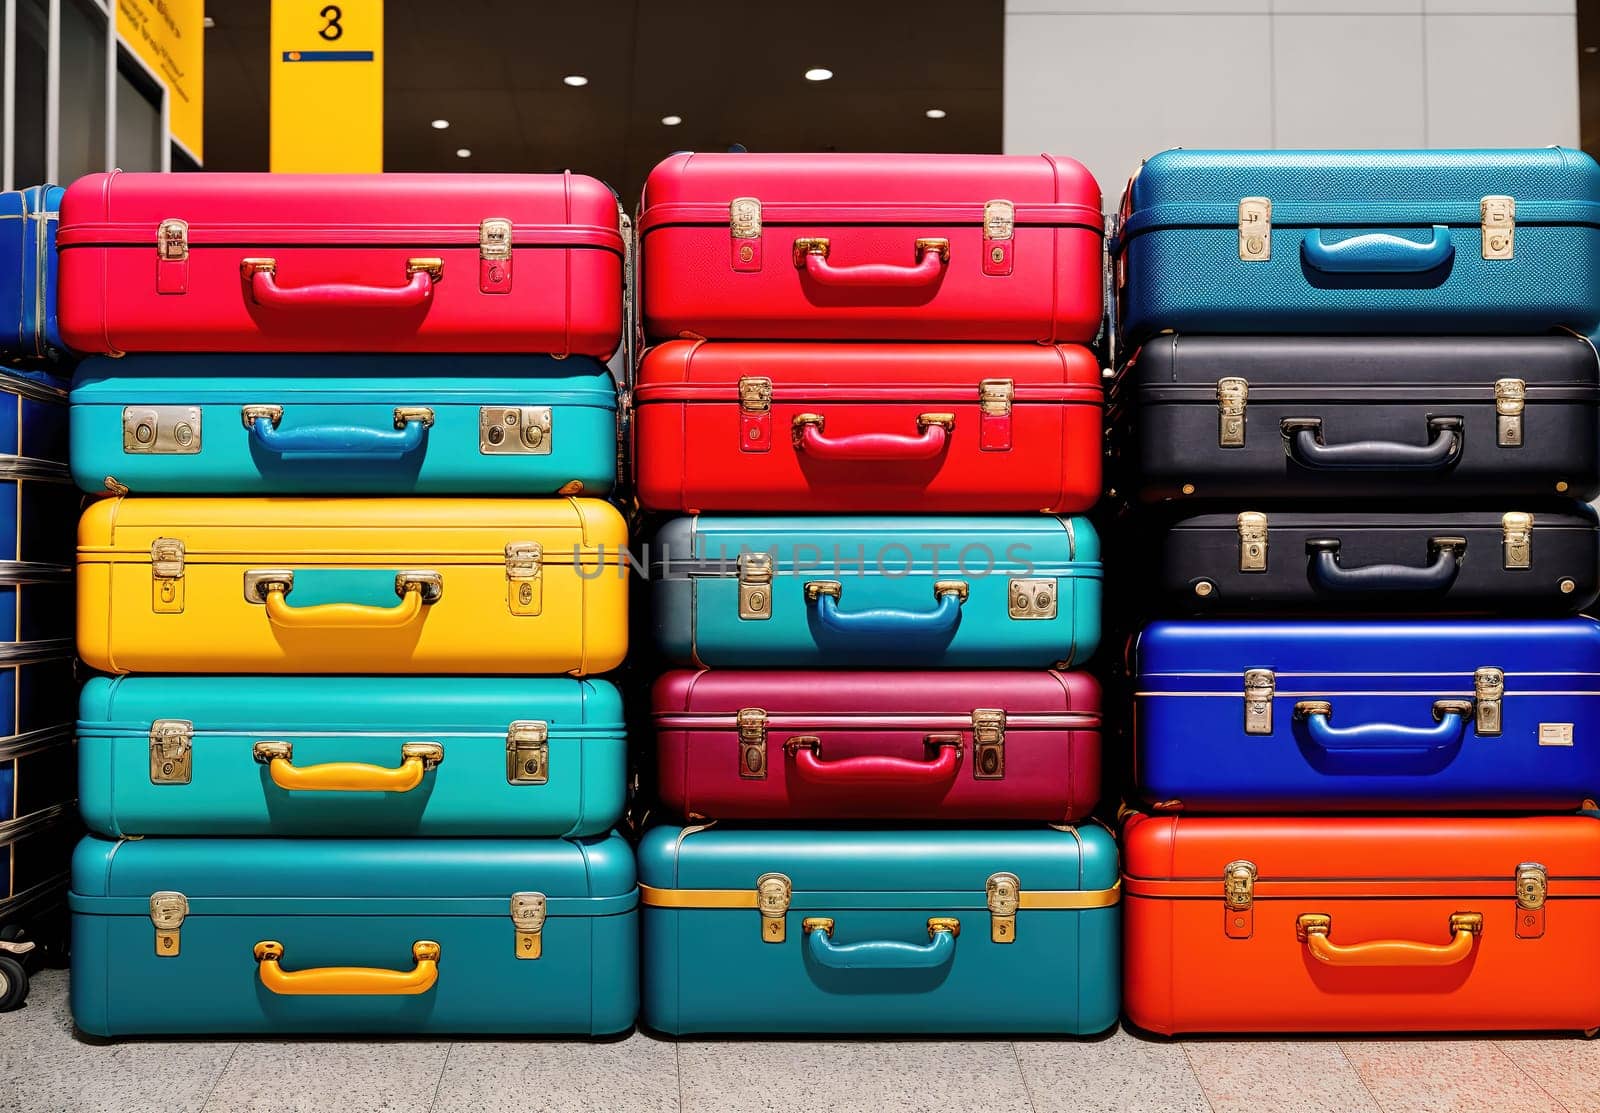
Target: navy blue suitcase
[(28, 219)]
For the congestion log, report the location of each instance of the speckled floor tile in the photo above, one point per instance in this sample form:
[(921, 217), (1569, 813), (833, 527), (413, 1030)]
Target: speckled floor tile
[(1566, 1069), (331, 1076), (1446, 1076), (1286, 1077), (1119, 1074), (44, 1068), (973, 1076), (638, 1074)]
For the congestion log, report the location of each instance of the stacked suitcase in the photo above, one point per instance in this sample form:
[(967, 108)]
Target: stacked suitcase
[(1357, 417), (870, 403), (348, 769), (37, 775)]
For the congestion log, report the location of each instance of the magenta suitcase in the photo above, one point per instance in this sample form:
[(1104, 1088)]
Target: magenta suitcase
[(965, 746)]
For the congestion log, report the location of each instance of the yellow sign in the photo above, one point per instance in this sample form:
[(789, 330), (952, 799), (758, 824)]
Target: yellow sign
[(168, 35), (327, 86)]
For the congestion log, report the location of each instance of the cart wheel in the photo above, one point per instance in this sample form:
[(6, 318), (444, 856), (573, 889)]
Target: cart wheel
[(13, 983)]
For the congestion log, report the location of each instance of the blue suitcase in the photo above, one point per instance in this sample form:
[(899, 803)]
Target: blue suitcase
[(38, 687), (33, 415), (350, 756), (1464, 241), (344, 424), (880, 931), (857, 591), (354, 936), (1310, 716), (28, 220)]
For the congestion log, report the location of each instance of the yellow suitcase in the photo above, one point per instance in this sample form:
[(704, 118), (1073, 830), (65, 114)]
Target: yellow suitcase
[(308, 585)]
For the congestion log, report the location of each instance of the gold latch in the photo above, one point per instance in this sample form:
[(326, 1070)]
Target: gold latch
[(166, 571), (172, 240), (995, 397), (1510, 398), (1260, 686), (755, 586), (1488, 689), (1252, 541), (999, 220), (528, 752), (494, 239), (752, 743), (773, 891), (988, 744), (1517, 544), (1232, 395), (1533, 886), (1004, 894), (525, 577), (1255, 229), (1239, 899), (1498, 215), (744, 218), (527, 916), (167, 912), (171, 752), (755, 394)]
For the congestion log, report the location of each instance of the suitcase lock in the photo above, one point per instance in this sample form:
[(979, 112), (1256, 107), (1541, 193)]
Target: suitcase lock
[(167, 912), (494, 256), (514, 430), (171, 752), (1510, 399), (988, 744), (1238, 899), (525, 577), (1003, 893), (1488, 688), (172, 256), (995, 397), (1232, 395), (755, 414), (161, 430), (166, 574), (528, 752), (999, 226), (1255, 229), (1260, 686), (527, 916), (1533, 885), (755, 586), (1516, 529), (744, 234), (773, 891), (1498, 218), (1252, 541), (752, 743)]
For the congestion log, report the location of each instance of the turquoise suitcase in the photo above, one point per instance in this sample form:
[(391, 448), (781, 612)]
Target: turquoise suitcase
[(847, 930), (354, 936), (812, 591), (344, 424), (350, 756)]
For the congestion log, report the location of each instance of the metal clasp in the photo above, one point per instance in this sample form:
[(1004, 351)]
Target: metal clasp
[(525, 577), (171, 752), (167, 556), (162, 430), (1255, 229), (744, 233), (1252, 525), (1232, 395), (1003, 893), (999, 226), (988, 744), (1498, 226), (494, 256), (773, 891), (528, 912), (1239, 898), (514, 430), (1488, 689), (168, 910), (528, 752), (755, 586), (1516, 529), (1260, 687), (1533, 887), (995, 398), (752, 743), (1510, 399)]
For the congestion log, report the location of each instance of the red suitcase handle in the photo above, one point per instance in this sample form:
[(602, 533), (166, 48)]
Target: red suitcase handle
[(1314, 928), (876, 769), (933, 432), (261, 283), (811, 256)]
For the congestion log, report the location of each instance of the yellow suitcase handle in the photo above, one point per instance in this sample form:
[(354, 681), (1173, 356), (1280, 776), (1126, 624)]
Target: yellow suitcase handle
[(333, 981), (1313, 930), (416, 758), (416, 590)]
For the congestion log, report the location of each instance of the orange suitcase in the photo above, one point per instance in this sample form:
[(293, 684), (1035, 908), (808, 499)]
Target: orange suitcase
[(1343, 924)]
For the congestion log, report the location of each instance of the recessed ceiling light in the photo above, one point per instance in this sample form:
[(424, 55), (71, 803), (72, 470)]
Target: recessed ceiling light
[(818, 74), (672, 121), (1591, 50), (463, 152), (440, 125), (576, 80), (208, 23), (934, 113)]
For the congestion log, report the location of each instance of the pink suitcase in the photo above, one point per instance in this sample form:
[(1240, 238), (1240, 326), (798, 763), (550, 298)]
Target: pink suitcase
[(341, 262), (878, 745)]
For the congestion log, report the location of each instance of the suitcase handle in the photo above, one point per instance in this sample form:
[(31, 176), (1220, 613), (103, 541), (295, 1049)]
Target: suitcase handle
[(344, 442), (1327, 574), (1377, 253), (416, 589), (347, 981), (1313, 929), (877, 769), (887, 622), (1380, 740), (261, 285), (416, 758), (1302, 440), (933, 432), (811, 256), (881, 954)]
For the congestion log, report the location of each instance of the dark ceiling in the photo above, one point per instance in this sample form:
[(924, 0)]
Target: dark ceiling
[(732, 69)]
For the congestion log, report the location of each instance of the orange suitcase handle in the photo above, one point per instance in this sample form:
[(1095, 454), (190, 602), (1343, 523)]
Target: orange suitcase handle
[(341, 981), (416, 758), (1313, 929)]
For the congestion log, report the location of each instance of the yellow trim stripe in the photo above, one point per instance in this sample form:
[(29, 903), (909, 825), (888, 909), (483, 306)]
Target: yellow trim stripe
[(746, 898)]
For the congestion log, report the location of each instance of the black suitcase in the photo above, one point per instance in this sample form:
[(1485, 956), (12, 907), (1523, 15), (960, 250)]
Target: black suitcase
[(1262, 417), (1539, 560)]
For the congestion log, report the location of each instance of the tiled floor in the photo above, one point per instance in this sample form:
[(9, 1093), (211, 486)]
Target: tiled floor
[(45, 1069)]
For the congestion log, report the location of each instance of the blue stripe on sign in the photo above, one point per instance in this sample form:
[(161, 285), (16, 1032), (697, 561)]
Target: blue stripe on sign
[(327, 55)]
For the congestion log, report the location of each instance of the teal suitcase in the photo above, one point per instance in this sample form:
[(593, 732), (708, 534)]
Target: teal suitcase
[(913, 932), (350, 756), (919, 591), (354, 936)]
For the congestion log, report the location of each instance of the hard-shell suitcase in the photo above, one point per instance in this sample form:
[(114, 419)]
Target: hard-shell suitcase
[(364, 585), (859, 591), (35, 850), (350, 756), (38, 689), (1537, 559), (344, 424), (1298, 417), (28, 329), (33, 415), (1368, 716), (1454, 241), (883, 931), (872, 246), (1343, 924), (732, 744), (862, 427), (354, 936), (37, 771), (36, 602), (41, 505), (341, 262)]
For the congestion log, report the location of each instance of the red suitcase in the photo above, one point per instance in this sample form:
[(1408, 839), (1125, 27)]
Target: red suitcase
[(731, 425), (878, 745), (872, 247), (341, 262)]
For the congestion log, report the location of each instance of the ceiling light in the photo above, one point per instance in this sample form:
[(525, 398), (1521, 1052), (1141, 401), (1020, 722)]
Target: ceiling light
[(208, 23), (672, 121), (440, 125), (463, 152), (934, 113), (576, 80), (818, 74), (1591, 49)]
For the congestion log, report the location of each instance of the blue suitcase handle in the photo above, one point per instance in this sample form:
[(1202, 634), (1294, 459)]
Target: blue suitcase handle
[(886, 622), (1381, 740), (882, 954), (1327, 574), (1302, 440), (340, 442), (1378, 253)]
